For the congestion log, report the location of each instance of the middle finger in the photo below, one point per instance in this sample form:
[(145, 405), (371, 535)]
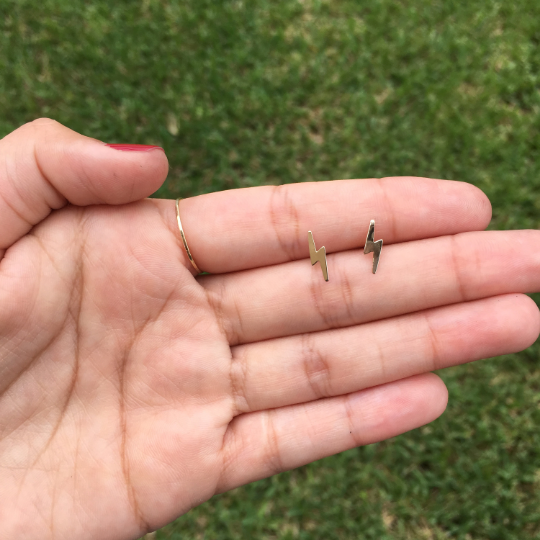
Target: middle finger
[(293, 298)]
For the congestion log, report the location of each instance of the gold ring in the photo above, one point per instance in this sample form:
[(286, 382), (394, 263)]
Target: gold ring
[(190, 256)]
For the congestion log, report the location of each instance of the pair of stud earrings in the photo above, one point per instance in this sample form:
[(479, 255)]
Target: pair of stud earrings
[(319, 255)]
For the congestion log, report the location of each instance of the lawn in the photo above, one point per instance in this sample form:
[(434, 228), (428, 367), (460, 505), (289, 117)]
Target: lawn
[(244, 93)]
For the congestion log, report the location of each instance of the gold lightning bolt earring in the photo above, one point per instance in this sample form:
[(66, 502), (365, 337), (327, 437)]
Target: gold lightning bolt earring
[(317, 255), (373, 247)]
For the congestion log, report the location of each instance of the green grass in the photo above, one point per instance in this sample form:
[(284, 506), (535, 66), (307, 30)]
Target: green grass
[(243, 93)]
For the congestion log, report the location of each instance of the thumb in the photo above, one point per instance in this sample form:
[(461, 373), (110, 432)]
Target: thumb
[(44, 166)]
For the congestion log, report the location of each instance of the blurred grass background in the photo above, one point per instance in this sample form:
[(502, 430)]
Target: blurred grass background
[(244, 93)]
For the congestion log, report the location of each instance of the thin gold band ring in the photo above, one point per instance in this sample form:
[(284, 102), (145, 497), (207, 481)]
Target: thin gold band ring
[(182, 234)]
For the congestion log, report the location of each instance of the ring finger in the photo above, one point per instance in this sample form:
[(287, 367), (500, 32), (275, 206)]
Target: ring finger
[(299, 369)]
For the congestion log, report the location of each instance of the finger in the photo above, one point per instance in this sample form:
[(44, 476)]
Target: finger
[(44, 165), (261, 444), (247, 228), (299, 369), (293, 298)]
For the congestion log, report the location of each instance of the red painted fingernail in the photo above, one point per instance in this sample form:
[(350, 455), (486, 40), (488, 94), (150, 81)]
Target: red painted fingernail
[(134, 147)]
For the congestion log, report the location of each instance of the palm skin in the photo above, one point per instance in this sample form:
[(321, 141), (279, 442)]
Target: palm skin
[(132, 390), (125, 381)]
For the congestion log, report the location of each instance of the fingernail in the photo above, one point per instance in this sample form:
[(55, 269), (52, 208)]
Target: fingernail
[(134, 147)]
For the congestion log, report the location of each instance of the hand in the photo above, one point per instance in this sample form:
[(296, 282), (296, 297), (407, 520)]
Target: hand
[(132, 390)]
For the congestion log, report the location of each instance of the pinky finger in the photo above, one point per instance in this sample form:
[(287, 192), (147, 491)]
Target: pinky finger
[(260, 444)]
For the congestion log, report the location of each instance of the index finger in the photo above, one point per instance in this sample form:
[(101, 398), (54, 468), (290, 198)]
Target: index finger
[(252, 227)]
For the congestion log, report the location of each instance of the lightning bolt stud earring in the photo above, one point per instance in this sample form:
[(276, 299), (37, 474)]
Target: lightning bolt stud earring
[(317, 255), (373, 247)]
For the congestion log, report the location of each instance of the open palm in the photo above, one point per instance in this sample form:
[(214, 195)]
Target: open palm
[(132, 390)]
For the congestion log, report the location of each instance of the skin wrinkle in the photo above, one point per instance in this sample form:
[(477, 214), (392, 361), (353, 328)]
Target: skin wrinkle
[(143, 526), (436, 358), (227, 454), (41, 515), (28, 420), (59, 203), (11, 206), (215, 301), (477, 262), (78, 279), (460, 285), (349, 415), (317, 297), (55, 430), (272, 451), (216, 308), (71, 388), (346, 293), (6, 390), (238, 316), (85, 179), (9, 468), (151, 318), (315, 367), (61, 200), (138, 331), (155, 275), (238, 376), (282, 209), (6, 350), (44, 250), (19, 173)]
